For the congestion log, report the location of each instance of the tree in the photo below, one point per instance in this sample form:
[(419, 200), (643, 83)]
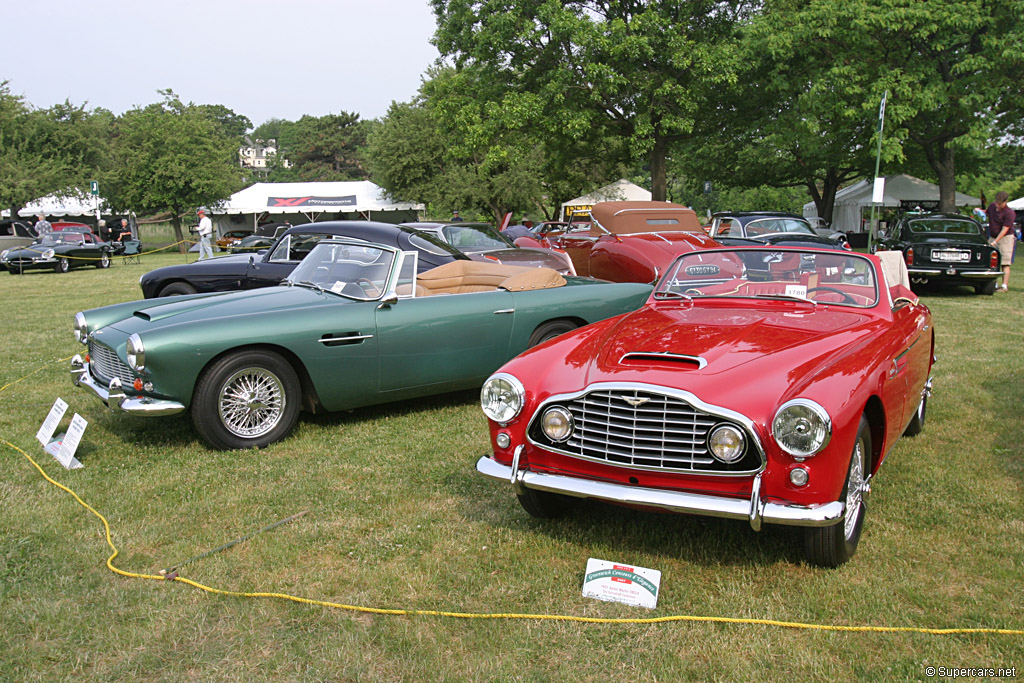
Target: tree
[(327, 147), (45, 151), (171, 156), (641, 71), (951, 68)]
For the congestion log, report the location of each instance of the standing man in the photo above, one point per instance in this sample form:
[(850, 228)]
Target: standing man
[(1000, 234), (205, 231), (42, 225), (456, 218)]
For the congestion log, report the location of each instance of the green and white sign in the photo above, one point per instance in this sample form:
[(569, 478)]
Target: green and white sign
[(617, 582)]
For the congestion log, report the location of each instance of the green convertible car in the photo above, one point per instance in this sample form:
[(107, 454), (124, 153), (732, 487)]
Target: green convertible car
[(353, 325)]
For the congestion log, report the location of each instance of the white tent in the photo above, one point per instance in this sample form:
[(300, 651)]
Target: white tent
[(308, 202), (1016, 203), (76, 204), (620, 190), (853, 204)]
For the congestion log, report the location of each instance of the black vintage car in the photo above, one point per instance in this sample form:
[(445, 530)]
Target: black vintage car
[(58, 251), (946, 247), (752, 228), (268, 267)]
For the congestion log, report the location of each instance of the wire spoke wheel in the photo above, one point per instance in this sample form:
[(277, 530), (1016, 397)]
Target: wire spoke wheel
[(854, 492), (251, 402)]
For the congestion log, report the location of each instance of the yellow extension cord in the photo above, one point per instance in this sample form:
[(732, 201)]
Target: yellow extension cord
[(464, 615)]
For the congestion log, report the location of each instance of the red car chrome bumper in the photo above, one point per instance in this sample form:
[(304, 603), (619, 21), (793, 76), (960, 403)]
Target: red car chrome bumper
[(755, 510)]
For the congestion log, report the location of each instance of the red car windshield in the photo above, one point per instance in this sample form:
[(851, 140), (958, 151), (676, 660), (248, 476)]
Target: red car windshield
[(816, 276)]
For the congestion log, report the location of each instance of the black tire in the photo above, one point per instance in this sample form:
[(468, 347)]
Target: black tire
[(543, 504), (549, 330), (176, 288), (917, 422), (247, 399), (14, 270), (104, 261), (834, 545), (61, 266), (988, 289)]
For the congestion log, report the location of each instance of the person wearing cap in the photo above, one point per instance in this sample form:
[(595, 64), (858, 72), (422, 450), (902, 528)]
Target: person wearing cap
[(456, 218), (205, 231)]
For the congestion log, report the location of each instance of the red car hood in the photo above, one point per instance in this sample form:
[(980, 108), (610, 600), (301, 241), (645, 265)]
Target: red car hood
[(711, 351)]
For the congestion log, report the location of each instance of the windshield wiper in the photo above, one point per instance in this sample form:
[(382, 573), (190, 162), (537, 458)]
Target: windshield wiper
[(672, 295), (308, 283), (787, 297)]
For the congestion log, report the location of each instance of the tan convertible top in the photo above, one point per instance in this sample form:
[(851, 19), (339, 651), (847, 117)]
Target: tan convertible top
[(460, 277), (629, 218)]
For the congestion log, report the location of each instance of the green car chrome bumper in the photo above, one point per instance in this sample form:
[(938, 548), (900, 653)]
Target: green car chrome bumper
[(114, 396)]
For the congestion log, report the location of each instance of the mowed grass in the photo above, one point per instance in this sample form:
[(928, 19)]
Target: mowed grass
[(398, 519)]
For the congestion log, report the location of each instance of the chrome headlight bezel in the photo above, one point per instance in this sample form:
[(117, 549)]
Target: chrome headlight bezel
[(81, 328), (502, 397), (3, 254), (135, 353), (46, 255), (563, 420), (727, 443), (802, 428)]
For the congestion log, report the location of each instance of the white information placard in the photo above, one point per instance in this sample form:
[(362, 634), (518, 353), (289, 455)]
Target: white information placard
[(617, 582), (66, 455), (49, 426), (878, 191)]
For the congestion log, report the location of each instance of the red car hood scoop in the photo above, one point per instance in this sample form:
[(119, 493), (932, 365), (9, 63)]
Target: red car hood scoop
[(715, 340)]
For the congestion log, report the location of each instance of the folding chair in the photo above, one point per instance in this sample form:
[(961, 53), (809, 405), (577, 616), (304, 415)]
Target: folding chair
[(131, 252)]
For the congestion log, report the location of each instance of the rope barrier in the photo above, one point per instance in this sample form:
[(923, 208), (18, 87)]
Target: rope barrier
[(111, 254), (172, 575)]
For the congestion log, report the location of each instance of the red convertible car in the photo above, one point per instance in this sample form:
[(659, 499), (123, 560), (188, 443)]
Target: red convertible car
[(772, 397), (628, 241)]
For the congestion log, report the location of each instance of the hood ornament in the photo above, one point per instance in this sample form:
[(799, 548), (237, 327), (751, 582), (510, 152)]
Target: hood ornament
[(635, 400)]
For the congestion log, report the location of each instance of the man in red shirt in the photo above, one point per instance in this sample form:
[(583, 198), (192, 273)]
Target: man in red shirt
[(1000, 234)]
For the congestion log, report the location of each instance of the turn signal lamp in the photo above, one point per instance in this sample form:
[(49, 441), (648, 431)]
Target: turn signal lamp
[(909, 256)]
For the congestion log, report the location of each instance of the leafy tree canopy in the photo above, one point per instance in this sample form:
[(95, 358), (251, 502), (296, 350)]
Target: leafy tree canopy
[(171, 156)]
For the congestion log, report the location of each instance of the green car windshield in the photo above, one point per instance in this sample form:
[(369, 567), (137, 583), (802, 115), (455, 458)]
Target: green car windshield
[(816, 276), (352, 270)]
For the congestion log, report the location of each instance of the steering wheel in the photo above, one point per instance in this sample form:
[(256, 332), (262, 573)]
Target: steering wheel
[(368, 287), (847, 299)]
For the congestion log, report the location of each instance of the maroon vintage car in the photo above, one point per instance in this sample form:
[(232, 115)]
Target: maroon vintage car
[(772, 397), (628, 241)]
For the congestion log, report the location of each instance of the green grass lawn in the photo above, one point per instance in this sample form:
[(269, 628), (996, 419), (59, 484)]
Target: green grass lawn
[(398, 519)]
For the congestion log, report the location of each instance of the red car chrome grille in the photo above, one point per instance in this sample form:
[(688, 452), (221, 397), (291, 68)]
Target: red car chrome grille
[(106, 365), (643, 430)]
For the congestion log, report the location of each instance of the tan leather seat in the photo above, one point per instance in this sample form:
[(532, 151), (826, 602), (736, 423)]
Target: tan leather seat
[(462, 277)]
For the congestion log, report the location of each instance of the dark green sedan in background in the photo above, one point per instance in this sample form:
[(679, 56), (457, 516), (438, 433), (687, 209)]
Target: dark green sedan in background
[(353, 325)]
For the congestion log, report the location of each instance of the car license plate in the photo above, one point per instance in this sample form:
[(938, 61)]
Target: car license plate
[(952, 256)]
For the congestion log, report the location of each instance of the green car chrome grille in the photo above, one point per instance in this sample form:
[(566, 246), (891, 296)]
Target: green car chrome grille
[(642, 430), (106, 365)]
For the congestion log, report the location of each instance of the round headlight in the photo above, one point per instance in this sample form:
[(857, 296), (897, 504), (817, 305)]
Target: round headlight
[(727, 443), (557, 423), (802, 428), (48, 254), (81, 328), (502, 397), (3, 254), (136, 354)]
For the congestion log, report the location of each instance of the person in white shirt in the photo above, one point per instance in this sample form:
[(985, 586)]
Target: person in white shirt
[(205, 231)]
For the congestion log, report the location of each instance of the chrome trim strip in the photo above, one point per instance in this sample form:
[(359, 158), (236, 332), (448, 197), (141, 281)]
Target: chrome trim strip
[(749, 510), (115, 398), (701, 363), (686, 396)]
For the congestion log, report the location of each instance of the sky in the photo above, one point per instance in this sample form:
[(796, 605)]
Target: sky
[(260, 58)]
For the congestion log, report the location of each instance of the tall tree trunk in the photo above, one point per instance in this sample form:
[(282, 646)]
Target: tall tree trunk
[(176, 222), (945, 169), (659, 179)]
